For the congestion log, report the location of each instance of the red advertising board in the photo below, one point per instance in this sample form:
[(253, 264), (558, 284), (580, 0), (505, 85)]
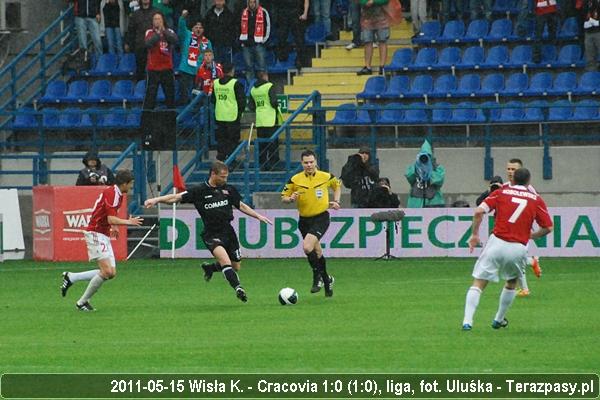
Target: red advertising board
[(60, 215)]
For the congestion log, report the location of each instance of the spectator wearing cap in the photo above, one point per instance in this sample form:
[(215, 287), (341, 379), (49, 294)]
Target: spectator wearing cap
[(495, 183), (382, 196), (94, 173), (359, 175)]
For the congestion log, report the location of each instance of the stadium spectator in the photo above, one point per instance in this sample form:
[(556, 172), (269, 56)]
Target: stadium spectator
[(97, 237), (160, 41), (525, 17), (94, 173), (426, 178), (255, 29), (418, 12), (214, 200), (481, 9), (112, 17), (230, 102), (291, 15), (139, 22), (208, 73), (495, 183), (359, 175), (268, 118), (504, 254), (591, 27), (452, 8), (355, 18), (221, 29), (87, 17), (321, 10), (546, 13), (309, 189), (166, 9), (193, 44), (382, 196)]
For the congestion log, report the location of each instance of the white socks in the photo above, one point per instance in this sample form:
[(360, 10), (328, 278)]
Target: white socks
[(82, 276), (506, 299), (92, 288), (471, 303), (522, 281)]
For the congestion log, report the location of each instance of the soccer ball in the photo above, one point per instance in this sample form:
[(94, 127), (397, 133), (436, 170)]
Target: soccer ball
[(288, 296)]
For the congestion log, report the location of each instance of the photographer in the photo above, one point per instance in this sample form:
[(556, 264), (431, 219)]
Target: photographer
[(94, 173), (426, 178), (359, 175), (495, 183), (382, 196)]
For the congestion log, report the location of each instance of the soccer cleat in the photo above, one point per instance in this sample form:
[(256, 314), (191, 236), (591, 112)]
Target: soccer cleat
[(317, 284), (85, 306), (523, 292), (500, 324), (66, 284), (535, 266), (241, 294), (466, 327), (329, 286), (208, 272)]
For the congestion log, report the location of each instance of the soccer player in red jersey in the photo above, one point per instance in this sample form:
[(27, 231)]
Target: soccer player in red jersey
[(97, 237), (505, 253)]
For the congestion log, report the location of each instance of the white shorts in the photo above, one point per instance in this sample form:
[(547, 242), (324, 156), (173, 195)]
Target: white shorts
[(501, 259), (99, 247)]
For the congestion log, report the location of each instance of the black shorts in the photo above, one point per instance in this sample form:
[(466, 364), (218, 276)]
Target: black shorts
[(316, 225), (225, 238)]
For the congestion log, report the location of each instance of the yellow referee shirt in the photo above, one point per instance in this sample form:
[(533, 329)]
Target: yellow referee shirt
[(313, 193)]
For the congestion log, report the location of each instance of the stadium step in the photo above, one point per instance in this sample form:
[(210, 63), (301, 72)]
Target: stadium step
[(356, 53), (401, 31)]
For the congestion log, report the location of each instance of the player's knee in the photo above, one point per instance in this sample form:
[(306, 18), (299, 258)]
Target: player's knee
[(308, 248), (109, 273)]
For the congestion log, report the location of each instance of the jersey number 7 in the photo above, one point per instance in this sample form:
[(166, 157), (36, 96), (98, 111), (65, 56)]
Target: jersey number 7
[(522, 203)]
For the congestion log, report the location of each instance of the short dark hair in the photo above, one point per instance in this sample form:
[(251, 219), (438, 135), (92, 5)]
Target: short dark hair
[(522, 176), (227, 67), (515, 161), (123, 176), (308, 153), (218, 166)]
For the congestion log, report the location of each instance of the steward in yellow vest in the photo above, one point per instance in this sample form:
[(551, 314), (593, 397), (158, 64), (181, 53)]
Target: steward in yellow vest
[(268, 119)]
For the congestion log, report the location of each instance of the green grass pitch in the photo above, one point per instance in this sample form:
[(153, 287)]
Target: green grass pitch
[(397, 316)]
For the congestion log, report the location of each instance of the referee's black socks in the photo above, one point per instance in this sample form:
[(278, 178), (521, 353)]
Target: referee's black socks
[(313, 260), (214, 267), (323, 268), (231, 276)]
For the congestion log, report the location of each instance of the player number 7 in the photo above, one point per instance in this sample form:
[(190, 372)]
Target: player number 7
[(522, 203)]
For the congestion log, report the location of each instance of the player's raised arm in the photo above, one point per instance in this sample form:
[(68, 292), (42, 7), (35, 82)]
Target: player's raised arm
[(166, 199), (246, 209), (113, 220)]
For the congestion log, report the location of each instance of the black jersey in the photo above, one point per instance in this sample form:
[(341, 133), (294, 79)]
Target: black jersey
[(214, 204)]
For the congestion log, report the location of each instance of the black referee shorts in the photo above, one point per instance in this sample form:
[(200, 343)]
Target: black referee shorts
[(316, 225), (225, 238)]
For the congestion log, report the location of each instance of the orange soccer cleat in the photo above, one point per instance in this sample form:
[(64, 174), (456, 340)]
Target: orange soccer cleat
[(523, 292), (535, 266)]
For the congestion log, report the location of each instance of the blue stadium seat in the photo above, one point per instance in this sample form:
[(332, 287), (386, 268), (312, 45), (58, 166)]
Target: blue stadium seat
[(564, 83), (513, 111), (560, 110), (540, 84), (281, 67), (122, 91), (374, 88), (70, 118), (25, 120), (497, 57), (453, 32), (127, 65), (569, 56), (402, 60), (50, 118), (115, 118), (391, 115), (55, 92), (77, 92), (345, 114), (421, 85), (527, 34), (445, 86), (238, 62), (521, 56), (467, 113), (90, 118), (589, 83), (134, 118), (398, 86), (107, 65), (430, 33), (449, 57), (139, 91), (587, 110), (501, 31), (548, 56), (535, 110), (477, 30), (315, 33), (99, 92), (505, 7), (426, 58), (416, 114), (516, 84), (473, 58), (364, 113), (491, 111), (469, 85), (441, 113), (492, 85), (569, 29)]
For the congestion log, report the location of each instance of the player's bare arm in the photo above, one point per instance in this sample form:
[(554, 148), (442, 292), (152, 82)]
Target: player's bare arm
[(474, 240), (335, 203), (136, 221), (246, 209), (541, 232), (166, 199)]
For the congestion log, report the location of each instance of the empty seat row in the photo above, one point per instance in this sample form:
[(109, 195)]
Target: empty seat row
[(480, 30), (468, 113), (74, 118), (101, 91), (113, 65), (475, 57), (472, 85)]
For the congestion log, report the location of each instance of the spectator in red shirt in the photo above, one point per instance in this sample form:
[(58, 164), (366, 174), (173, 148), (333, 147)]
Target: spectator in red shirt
[(160, 42), (546, 12), (97, 237), (208, 72)]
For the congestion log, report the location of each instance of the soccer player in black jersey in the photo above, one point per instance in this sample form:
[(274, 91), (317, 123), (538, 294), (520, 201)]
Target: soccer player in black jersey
[(214, 200)]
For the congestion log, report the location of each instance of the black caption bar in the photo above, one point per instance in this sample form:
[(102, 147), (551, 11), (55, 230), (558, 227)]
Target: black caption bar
[(304, 386)]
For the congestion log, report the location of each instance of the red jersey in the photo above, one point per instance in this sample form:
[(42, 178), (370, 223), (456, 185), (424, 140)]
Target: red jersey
[(206, 75), (160, 55), (516, 209), (107, 204)]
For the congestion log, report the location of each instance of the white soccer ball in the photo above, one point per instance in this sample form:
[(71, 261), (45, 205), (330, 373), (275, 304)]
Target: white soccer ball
[(288, 296)]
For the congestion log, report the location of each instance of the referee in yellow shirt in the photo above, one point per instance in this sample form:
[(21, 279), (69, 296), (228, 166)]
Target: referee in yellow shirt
[(310, 190)]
